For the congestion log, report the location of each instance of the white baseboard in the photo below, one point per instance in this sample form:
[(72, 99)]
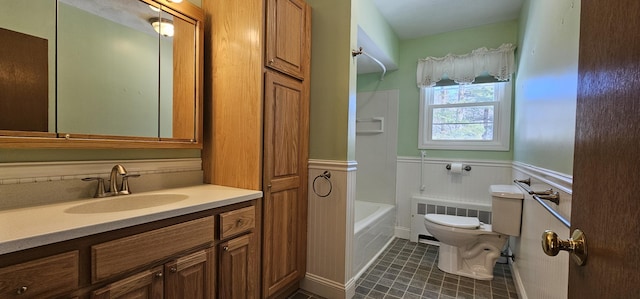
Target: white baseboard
[(350, 289), (328, 288), (522, 294), (403, 232)]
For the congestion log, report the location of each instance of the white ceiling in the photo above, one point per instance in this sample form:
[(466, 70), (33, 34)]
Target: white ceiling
[(418, 18), (135, 14)]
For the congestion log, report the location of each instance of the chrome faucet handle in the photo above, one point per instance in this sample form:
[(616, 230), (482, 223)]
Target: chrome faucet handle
[(124, 188), (100, 192)]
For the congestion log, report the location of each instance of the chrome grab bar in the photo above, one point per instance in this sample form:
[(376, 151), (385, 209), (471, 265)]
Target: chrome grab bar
[(552, 211), (550, 195), (541, 196)]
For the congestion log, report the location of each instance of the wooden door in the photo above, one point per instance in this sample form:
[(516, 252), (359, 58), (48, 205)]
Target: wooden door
[(24, 88), (190, 276), (285, 178), (147, 284), (606, 196), (237, 268), (287, 36)]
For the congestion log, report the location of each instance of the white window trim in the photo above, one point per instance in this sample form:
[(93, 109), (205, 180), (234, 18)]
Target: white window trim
[(501, 127)]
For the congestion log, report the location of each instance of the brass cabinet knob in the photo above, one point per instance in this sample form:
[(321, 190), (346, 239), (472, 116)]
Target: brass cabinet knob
[(158, 275), (173, 269), (576, 245), (21, 290), (272, 61), (226, 248)]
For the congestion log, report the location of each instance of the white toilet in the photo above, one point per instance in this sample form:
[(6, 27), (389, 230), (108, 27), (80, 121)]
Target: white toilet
[(470, 248)]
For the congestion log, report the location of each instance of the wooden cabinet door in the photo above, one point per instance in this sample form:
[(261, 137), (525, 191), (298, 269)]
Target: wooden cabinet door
[(238, 268), (286, 131), (288, 35), (147, 284), (190, 277)]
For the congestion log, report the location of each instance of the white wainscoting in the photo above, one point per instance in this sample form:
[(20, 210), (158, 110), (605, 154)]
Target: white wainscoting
[(537, 275), (466, 187), (330, 230)]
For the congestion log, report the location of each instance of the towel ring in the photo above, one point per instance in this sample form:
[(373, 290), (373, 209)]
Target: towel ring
[(325, 175)]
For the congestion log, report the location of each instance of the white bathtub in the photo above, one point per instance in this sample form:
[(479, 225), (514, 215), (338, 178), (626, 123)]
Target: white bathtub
[(373, 230)]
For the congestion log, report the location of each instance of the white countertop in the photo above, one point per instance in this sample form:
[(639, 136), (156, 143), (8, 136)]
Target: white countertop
[(41, 225)]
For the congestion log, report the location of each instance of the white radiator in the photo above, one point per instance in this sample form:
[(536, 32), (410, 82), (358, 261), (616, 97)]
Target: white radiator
[(425, 205)]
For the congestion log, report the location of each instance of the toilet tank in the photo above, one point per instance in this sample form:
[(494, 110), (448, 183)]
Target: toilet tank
[(506, 209)]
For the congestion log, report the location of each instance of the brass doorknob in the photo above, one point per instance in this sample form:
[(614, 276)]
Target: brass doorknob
[(576, 245)]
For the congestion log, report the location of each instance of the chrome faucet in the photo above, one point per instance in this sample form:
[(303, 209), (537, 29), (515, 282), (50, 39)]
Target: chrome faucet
[(113, 182)]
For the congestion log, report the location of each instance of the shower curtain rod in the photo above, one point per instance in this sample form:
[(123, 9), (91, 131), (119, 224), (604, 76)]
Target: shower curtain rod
[(355, 53)]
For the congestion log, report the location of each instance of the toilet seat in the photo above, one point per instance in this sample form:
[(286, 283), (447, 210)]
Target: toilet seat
[(454, 221)]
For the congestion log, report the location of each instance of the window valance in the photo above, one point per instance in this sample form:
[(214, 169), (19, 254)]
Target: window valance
[(463, 69)]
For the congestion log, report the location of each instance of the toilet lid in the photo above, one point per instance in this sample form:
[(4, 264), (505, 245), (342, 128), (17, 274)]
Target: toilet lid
[(454, 221)]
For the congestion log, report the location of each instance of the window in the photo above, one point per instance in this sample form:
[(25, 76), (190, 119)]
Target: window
[(466, 117)]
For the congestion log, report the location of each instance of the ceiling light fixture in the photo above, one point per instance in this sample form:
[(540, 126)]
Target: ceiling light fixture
[(162, 26), (175, 1), (156, 9)]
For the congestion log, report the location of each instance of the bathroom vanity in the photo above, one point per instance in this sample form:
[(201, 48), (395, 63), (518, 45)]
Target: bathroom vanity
[(209, 239), (193, 242)]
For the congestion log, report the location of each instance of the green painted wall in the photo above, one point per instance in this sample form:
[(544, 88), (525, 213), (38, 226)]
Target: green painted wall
[(333, 78), (404, 79), (546, 84), (371, 21), (107, 76)]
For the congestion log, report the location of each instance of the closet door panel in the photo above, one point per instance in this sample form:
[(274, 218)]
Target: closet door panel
[(287, 36), (285, 176)]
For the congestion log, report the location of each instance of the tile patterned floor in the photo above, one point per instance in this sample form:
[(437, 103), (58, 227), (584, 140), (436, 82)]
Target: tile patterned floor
[(409, 270), (301, 294)]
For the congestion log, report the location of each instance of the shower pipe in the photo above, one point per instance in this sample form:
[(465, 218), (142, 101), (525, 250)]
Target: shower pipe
[(423, 154), (355, 53)]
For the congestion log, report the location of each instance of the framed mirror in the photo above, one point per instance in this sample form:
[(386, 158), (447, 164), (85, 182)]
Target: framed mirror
[(118, 72)]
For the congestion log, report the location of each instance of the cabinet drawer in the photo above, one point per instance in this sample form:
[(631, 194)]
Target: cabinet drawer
[(41, 278), (128, 253), (237, 221), (146, 284)]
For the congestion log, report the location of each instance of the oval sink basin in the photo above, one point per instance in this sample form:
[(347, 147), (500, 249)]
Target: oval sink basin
[(125, 203)]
